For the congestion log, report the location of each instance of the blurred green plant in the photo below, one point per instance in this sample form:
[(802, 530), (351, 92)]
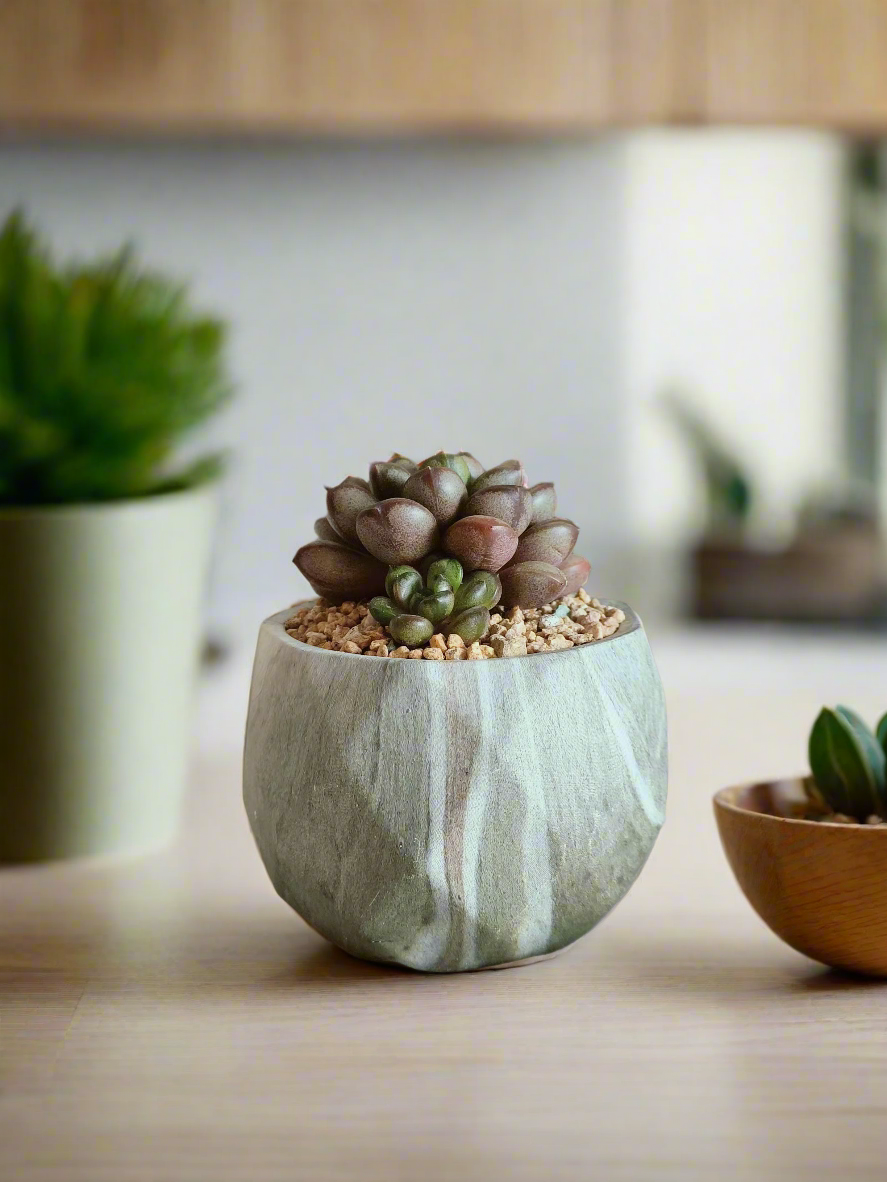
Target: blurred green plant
[(848, 764), (728, 487), (103, 368)]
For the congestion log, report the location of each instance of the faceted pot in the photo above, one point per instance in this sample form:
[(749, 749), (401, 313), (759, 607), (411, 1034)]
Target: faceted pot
[(462, 815)]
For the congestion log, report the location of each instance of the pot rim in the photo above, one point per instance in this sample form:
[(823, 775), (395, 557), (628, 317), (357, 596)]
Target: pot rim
[(725, 799), (118, 505), (631, 624)]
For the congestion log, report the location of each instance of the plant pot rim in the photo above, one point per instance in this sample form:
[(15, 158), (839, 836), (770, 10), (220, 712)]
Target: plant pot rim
[(632, 623), (737, 799), (149, 501)]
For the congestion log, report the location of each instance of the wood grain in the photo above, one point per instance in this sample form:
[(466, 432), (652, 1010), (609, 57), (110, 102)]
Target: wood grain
[(172, 1020), (449, 816), (821, 887), (381, 66)]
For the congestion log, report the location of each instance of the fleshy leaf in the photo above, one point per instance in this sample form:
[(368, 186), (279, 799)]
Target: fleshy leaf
[(326, 533), (443, 459), (544, 503), (481, 589), (404, 462), (840, 767), (383, 609), (470, 624), (881, 733), (531, 584), (434, 605), (411, 630), (511, 503), (576, 569), (441, 490), (551, 542), (874, 752), (336, 572), (397, 530), (437, 583), (475, 467), (508, 472), (402, 583), (448, 568), (481, 543), (387, 479), (424, 564), (344, 504)]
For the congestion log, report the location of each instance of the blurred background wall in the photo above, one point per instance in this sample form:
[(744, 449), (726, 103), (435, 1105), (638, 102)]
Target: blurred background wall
[(526, 299), (734, 293), (385, 298)]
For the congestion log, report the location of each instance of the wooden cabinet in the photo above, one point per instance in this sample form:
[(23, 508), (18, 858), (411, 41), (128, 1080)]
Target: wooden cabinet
[(355, 67)]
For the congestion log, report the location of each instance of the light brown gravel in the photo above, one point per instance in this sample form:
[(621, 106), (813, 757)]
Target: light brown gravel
[(348, 627)]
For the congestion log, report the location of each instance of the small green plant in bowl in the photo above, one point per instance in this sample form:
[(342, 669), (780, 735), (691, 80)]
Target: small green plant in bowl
[(848, 767), (810, 852)]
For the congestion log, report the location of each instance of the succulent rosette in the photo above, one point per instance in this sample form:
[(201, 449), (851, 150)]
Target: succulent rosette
[(435, 545)]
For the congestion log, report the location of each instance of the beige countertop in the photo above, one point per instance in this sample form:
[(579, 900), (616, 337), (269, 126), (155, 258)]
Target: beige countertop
[(171, 1019)]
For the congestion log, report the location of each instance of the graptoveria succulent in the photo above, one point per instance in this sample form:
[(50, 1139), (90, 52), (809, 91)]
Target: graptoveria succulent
[(848, 764), (387, 537)]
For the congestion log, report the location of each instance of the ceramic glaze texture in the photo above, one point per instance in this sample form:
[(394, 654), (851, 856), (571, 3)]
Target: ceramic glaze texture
[(455, 815)]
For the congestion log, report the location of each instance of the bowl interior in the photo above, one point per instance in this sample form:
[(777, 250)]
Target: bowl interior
[(775, 798)]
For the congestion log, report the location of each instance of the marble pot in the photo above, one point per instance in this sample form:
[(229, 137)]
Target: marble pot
[(449, 816)]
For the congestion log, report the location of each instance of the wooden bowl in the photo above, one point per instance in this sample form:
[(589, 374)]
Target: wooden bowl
[(820, 886)]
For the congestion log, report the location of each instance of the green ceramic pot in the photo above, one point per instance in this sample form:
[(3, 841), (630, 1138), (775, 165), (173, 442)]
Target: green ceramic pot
[(455, 815), (100, 628)]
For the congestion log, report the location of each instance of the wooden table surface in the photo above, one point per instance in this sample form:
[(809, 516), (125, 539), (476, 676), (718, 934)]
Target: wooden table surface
[(171, 1020)]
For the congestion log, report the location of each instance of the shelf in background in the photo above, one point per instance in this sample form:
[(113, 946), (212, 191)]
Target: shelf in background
[(365, 67)]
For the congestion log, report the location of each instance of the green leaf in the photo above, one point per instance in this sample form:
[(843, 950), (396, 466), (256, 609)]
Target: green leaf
[(402, 583), (383, 609), (455, 463), (434, 605), (425, 564), (203, 471), (447, 568), (104, 367), (480, 589), (874, 752), (840, 766), (470, 624), (881, 733), (411, 630)]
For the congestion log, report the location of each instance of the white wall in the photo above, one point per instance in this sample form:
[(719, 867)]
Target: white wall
[(733, 289), (402, 297), (514, 299)]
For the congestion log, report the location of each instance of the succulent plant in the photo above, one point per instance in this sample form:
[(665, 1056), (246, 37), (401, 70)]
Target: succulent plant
[(413, 608), (415, 536), (848, 764)]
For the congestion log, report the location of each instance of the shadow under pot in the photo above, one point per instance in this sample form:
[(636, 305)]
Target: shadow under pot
[(449, 816)]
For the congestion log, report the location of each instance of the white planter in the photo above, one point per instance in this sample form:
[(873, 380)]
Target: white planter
[(100, 628), (455, 815)]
